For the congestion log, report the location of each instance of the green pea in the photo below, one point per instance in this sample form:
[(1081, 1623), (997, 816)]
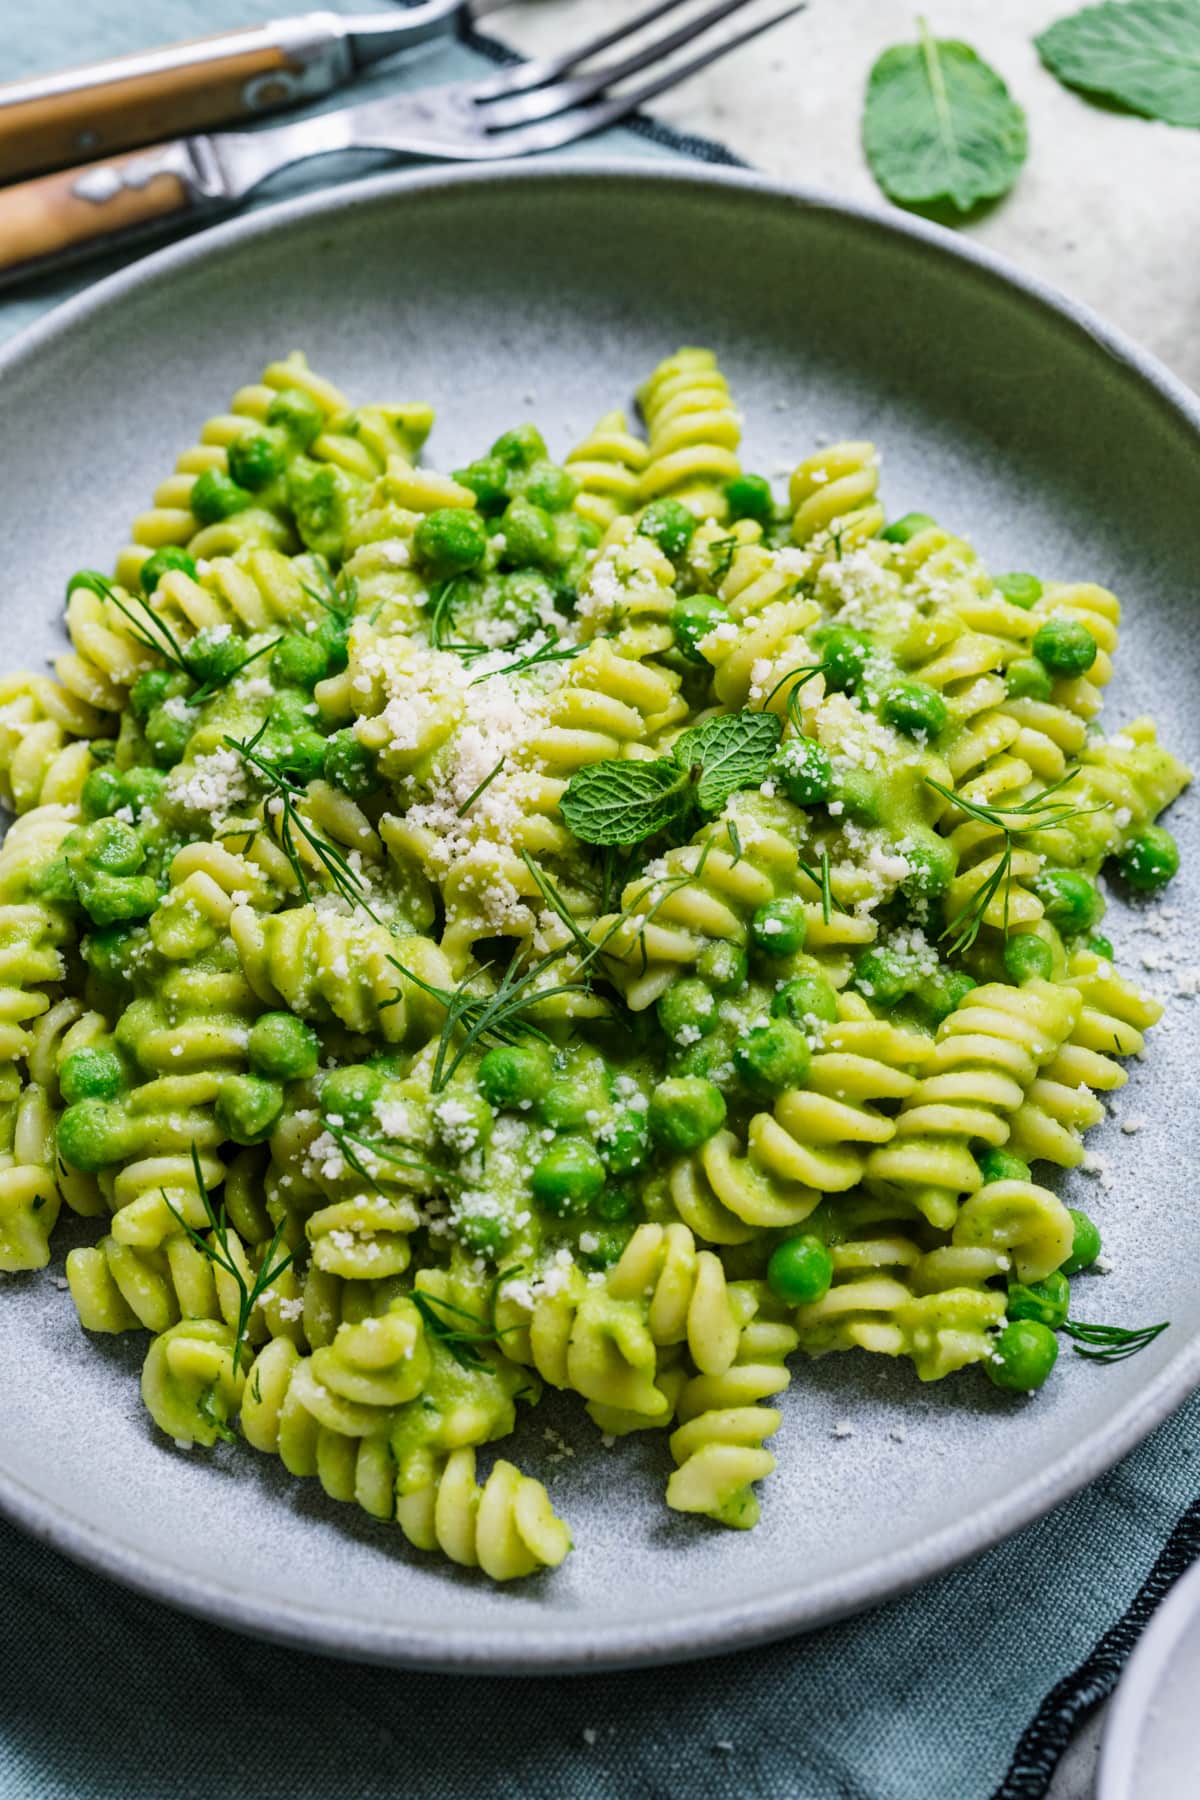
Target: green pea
[(350, 766), (322, 501), (800, 1271), (1086, 1243), (883, 976), (91, 1135), (568, 1178), (860, 794), (772, 1058), (215, 654), (550, 487), (296, 413), (685, 1111), (1027, 679), (102, 793), (1002, 1165), (605, 1248), (143, 787), (908, 527), (287, 711), (488, 480), (803, 770), (692, 618), (109, 899), (521, 447), (914, 708), (299, 658), (669, 523), (931, 863), (805, 997), (150, 690), (349, 1094), (1027, 958), (624, 1144), (1022, 1356), (844, 653), (168, 731), (110, 845), (1020, 590), (161, 562), (248, 1108), (512, 1073), (750, 497), (1065, 646), (1071, 900), (257, 457), (779, 928), (724, 966), (482, 1234), (91, 1074), (214, 496), (283, 1048), (1150, 859), (704, 1059), (450, 541), (333, 635), (528, 533), (939, 994), (1101, 946), (686, 1011), (112, 953), (617, 1203), (566, 1103), (304, 755), (1047, 1301)]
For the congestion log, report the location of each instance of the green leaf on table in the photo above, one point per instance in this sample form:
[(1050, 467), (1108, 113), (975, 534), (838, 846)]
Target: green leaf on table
[(940, 127), (732, 751), (1145, 53), (619, 802)]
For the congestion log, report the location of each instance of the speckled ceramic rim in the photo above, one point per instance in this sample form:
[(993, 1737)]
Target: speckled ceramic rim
[(1119, 1776), (696, 1632)]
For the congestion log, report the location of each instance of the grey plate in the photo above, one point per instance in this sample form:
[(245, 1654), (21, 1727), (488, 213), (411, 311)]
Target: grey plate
[(1151, 1748), (1026, 424)]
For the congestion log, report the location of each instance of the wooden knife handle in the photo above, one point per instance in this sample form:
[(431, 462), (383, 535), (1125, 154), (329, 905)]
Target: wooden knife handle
[(56, 214), (194, 86)]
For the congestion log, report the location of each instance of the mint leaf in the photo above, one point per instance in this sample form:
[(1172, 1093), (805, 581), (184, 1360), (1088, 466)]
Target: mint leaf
[(732, 751), (940, 127), (617, 802), (1146, 54)]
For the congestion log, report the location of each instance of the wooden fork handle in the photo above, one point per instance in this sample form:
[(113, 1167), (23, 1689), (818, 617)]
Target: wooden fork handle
[(55, 215)]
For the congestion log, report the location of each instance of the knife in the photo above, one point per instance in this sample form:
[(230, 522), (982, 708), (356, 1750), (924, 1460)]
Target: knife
[(79, 114)]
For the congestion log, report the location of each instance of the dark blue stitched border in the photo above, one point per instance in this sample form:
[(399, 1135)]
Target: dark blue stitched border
[(1076, 1695), (702, 148)]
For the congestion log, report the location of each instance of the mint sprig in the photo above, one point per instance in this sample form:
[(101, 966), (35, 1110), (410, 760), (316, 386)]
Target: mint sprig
[(940, 127), (619, 802), (732, 751), (1145, 54)]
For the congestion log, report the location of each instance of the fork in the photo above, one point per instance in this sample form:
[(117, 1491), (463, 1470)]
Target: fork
[(522, 111)]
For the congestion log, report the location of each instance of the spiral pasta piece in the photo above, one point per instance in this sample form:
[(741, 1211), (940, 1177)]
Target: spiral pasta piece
[(832, 494), (688, 1295), (718, 1446), (328, 967), (985, 1059), (119, 1287), (608, 466), (45, 756), (584, 1338), (693, 433), (29, 1195), (508, 1527)]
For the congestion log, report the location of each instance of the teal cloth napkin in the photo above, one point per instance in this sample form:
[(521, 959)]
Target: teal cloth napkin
[(966, 1690)]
